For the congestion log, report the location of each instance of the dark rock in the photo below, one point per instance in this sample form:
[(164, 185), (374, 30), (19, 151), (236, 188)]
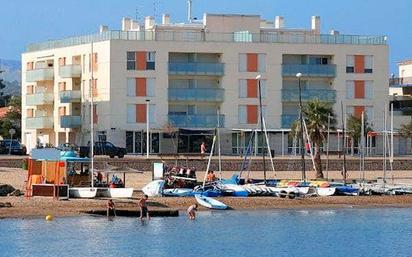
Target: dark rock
[(6, 189)]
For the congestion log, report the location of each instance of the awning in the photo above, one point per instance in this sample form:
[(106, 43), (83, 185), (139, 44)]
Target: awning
[(197, 132), (268, 130)]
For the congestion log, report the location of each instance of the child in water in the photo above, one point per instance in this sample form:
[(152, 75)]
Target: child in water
[(191, 211)]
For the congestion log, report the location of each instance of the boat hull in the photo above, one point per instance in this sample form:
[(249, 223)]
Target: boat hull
[(154, 188), (210, 202), (325, 191), (178, 192), (82, 192), (126, 192)]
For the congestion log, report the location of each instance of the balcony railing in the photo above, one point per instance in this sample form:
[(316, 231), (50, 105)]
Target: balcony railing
[(196, 94), (70, 96), (196, 68), (287, 120), (309, 70), (39, 122), (324, 95), (400, 82), (39, 99), (196, 121), (70, 121), (40, 75), (70, 71), (264, 37)]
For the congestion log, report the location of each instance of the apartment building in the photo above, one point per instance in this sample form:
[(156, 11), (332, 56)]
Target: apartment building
[(185, 79)]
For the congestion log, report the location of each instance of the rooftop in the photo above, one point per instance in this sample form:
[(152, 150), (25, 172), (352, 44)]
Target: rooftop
[(215, 28)]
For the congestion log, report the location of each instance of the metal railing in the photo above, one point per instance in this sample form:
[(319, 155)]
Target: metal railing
[(399, 82), (309, 70), (324, 95), (70, 121), (39, 99), (41, 74), (196, 68), (70, 71), (196, 94), (200, 36), (70, 96), (39, 122), (196, 121)]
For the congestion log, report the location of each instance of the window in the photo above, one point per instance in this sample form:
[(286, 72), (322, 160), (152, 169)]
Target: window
[(350, 64), (131, 113), (242, 114), (368, 63), (140, 86), (131, 86), (252, 62), (248, 88), (248, 114), (131, 61), (359, 89), (150, 60), (150, 84)]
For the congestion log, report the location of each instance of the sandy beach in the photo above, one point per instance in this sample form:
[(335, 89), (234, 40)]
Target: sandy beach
[(23, 207)]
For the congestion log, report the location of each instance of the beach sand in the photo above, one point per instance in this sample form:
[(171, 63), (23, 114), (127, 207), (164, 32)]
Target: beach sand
[(23, 207)]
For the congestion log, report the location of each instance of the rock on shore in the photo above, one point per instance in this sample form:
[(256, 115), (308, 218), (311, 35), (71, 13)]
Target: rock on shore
[(6, 189)]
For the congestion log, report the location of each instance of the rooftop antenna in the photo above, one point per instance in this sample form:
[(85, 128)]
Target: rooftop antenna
[(189, 11)]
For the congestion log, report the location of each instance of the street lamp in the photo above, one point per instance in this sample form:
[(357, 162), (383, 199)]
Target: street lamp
[(258, 77), (147, 127), (302, 147)]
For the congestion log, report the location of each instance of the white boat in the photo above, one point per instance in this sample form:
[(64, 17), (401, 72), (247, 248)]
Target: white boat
[(325, 191), (179, 192), (210, 203), (237, 189), (126, 192), (154, 188), (82, 192)]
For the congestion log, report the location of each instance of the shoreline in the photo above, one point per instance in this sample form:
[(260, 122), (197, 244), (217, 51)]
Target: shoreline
[(39, 207)]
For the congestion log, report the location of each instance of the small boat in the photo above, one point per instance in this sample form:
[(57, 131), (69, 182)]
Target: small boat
[(325, 191), (210, 203), (179, 192), (237, 190), (124, 192), (346, 190), (154, 188), (82, 192)]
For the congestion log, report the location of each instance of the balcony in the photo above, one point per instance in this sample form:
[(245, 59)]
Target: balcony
[(309, 70), (287, 120), (39, 75), (196, 94), (70, 96), (45, 122), (324, 95), (70, 71), (196, 68), (39, 99), (70, 121), (400, 82), (196, 121)]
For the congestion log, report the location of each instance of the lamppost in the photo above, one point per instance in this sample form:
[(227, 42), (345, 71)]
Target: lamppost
[(258, 77), (147, 127), (302, 147)]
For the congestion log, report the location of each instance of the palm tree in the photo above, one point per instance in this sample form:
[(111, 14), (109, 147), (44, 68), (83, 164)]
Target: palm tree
[(316, 115), (406, 131)]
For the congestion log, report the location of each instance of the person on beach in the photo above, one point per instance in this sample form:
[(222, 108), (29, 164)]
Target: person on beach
[(203, 149), (143, 208), (191, 211), (211, 176), (111, 208)]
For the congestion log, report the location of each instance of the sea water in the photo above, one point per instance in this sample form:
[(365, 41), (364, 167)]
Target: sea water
[(341, 232)]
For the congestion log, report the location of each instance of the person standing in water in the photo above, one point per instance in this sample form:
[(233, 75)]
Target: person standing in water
[(203, 149), (111, 208), (143, 208), (191, 211)]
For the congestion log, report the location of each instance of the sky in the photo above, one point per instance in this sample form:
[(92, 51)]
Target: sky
[(26, 21)]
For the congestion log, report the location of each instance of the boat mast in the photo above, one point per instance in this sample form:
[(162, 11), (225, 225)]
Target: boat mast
[(302, 147), (327, 149), (362, 142), (258, 77), (208, 162), (218, 143), (391, 156), (91, 114), (344, 174), (384, 146)]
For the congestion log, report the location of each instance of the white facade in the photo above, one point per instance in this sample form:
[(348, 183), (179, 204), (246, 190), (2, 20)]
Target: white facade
[(190, 72)]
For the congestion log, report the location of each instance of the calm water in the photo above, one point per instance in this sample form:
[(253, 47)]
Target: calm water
[(348, 232)]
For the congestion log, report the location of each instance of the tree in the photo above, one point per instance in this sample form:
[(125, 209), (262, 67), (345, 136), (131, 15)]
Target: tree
[(12, 119), (316, 115), (354, 128), (406, 131)]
